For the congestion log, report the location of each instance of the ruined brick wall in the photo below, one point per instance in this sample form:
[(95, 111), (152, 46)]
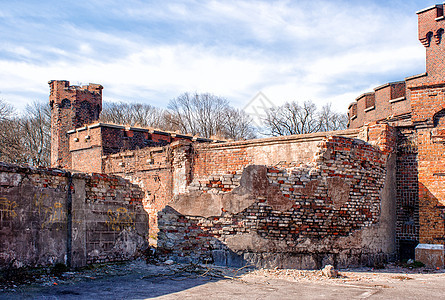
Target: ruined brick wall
[(166, 171), (109, 210), (49, 216), (334, 205), (33, 219), (151, 169)]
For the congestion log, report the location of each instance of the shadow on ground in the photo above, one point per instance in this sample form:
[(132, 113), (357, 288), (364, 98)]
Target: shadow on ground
[(134, 280)]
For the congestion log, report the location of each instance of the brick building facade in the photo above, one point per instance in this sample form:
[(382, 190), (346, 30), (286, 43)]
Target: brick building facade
[(416, 107), (367, 192)]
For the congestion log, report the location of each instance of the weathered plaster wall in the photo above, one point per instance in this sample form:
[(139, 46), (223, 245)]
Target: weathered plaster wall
[(166, 171), (49, 216), (150, 168), (336, 206)]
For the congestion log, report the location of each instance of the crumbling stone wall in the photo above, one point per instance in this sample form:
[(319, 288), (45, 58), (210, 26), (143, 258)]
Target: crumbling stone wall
[(336, 207), (49, 216)]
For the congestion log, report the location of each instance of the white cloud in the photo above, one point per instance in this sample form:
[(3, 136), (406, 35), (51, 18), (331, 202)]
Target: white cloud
[(322, 51)]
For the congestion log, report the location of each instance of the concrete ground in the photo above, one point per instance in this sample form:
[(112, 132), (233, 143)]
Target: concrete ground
[(137, 280)]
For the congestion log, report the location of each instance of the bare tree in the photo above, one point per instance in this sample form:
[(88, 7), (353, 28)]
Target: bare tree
[(198, 114), (26, 139), (238, 125), (10, 141), (293, 118), (9, 134), (134, 114), (208, 115), (330, 120), (6, 110), (36, 134)]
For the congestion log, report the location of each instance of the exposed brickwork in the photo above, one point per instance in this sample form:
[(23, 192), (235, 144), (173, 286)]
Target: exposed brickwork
[(253, 200), (407, 193), (113, 218), (166, 171), (300, 207), (150, 168), (220, 162)]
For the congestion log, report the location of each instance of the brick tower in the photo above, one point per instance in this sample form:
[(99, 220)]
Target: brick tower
[(431, 30), (71, 107), (427, 93)]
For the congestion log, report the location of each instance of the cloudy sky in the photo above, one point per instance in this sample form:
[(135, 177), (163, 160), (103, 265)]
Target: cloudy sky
[(152, 51)]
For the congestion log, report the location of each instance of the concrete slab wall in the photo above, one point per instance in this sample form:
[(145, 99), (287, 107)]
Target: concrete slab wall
[(51, 216)]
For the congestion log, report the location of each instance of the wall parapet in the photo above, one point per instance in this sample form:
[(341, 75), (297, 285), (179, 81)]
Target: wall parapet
[(388, 101)]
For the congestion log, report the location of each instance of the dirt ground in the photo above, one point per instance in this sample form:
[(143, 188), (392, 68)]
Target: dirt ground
[(139, 280)]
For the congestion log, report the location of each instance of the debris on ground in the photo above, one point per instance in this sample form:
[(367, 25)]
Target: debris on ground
[(329, 271), (178, 272)]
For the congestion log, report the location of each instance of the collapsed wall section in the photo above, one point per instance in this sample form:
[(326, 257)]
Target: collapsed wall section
[(51, 216), (285, 203)]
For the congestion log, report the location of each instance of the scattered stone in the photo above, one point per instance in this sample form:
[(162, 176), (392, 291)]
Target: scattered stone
[(329, 271), (169, 262)]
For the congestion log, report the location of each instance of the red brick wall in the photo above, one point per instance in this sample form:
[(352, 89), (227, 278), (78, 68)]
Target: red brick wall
[(431, 186), (382, 107), (385, 103), (407, 193), (224, 158), (428, 104), (426, 101)]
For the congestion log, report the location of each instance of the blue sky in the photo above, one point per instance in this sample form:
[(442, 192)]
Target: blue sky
[(152, 51)]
